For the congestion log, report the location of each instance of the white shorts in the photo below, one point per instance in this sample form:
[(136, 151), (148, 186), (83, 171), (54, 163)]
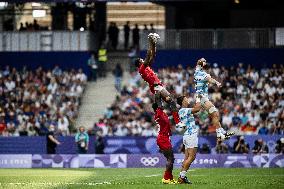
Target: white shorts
[(201, 98), (190, 141)]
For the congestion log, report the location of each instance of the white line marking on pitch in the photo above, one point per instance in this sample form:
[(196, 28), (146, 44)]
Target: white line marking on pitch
[(153, 175)]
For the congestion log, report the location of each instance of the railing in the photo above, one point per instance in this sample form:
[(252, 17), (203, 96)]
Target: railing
[(170, 39), (214, 38), (45, 41)]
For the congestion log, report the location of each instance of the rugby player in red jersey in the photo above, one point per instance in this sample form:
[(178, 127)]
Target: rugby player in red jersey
[(163, 139), (147, 73)]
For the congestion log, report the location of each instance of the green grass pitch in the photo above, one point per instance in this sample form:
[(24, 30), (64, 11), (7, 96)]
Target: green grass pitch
[(227, 178)]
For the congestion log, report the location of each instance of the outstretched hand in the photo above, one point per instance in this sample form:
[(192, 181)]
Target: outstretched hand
[(219, 84), (154, 37)]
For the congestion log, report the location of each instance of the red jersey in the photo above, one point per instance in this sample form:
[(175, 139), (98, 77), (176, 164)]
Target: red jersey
[(163, 120), (149, 76)]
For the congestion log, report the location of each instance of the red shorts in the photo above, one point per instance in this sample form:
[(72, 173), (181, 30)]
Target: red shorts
[(152, 87), (164, 142)]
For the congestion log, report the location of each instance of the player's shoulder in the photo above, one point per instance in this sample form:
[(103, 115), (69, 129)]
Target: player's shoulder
[(199, 72), (184, 111)]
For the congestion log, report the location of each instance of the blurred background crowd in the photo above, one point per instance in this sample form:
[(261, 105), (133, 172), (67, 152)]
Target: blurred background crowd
[(31, 101), (250, 101)]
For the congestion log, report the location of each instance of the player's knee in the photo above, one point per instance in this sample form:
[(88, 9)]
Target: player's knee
[(168, 99), (213, 111)]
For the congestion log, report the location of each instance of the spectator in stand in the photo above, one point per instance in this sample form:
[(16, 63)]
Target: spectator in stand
[(263, 130), (82, 140), (236, 120), (33, 100), (243, 100), (136, 36), (152, 29), (260, 147), (35, 25), (248, 129), (113, 32), (279, 148), (240, 146), (115, 37), (94, 67), (118, 74), (52, 142), (205, 149), (102, 61), (221, 148), (22, 28), (145, 29), (63, 125), (126, 29), (3, 125), (133, 55)]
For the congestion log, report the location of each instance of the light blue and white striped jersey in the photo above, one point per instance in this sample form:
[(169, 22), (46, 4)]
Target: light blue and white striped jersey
[(187, 118), (201, 84)]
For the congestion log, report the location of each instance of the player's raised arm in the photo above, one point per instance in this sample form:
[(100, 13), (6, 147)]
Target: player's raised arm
[(158, 100), (151, 52), (213, 81)]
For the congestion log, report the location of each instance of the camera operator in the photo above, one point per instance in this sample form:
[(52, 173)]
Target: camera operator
[(260, 147), (221, 148), (52, 142), (279, 148), (240, 146)]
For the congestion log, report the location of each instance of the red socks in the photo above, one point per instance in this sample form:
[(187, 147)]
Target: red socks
[(168, 175), (176, 117)]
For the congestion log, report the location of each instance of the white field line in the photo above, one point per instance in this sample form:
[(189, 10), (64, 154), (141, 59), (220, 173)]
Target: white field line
[(153, 175), (71, 183)]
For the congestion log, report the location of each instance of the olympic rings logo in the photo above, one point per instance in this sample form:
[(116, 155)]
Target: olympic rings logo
[(149, 161)]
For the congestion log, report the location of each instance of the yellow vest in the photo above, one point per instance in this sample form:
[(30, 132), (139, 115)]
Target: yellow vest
[(102, 55)]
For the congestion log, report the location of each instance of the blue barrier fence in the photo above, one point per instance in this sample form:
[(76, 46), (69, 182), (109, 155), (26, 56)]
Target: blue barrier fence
[(137, 160), (224, 57), (116, 145), (47, 60)]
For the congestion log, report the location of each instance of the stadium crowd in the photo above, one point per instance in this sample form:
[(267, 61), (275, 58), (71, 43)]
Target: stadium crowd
[(250, 102), (31, 101)]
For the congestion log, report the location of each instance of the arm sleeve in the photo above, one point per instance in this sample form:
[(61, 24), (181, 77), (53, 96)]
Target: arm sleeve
[(76, 137), (158, 100), (186, 111), (151, 53), (207, 76), (87, 137)]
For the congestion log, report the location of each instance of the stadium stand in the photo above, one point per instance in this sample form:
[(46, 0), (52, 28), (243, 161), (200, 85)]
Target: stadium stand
[(33, 100), (251, 101)]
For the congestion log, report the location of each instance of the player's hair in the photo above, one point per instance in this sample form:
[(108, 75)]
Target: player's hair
[(180, 100), (201, 64), (206, 66), (155, 106), (137, 62)]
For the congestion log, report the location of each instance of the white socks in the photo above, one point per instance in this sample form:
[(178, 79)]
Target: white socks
[(220, 130), (182, 174)]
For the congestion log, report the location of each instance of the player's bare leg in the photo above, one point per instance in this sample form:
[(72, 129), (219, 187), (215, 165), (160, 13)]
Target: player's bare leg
[(190, 154), (168, 175), (215, 119)]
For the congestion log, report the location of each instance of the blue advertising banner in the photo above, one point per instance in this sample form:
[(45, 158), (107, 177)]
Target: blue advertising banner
[(136, 145), (16, 161), (119, 145), (139, 161)]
